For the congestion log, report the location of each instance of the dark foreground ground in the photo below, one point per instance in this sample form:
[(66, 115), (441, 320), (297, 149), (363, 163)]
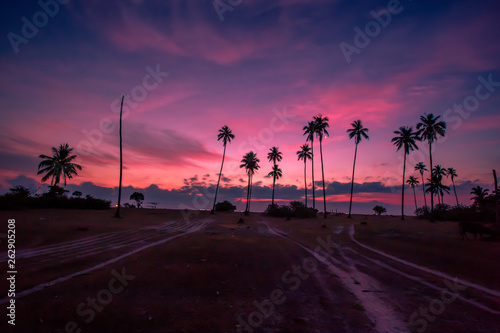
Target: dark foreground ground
[(155, 271)]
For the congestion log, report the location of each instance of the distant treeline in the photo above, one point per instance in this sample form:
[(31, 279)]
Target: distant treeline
[(21, 197)]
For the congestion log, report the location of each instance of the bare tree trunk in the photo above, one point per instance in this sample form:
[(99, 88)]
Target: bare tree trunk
[(117, 213), (432, 182), (415, 197), (454, 190)]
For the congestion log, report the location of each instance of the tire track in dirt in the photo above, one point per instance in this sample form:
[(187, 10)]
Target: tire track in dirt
[(185, 229), (377, 309)]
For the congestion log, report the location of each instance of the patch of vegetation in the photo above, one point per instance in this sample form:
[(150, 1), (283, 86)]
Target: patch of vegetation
[(294, 209), (225, 206), (20, 197), (480, 212), (379, 210)]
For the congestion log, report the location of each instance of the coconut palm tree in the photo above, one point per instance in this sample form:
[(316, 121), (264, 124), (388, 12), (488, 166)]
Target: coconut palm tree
[(428, 129), (321, 131), (251, 164), (420, 167), (405, 138), (304, 154), (117, 213), (274, 156), (453, 173), (226, 136), (438, 173), (310, 130), (276, 173), (59, 164), (358, 132), (479, 195), (412, 181)]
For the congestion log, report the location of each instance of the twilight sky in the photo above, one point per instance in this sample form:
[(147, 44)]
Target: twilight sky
[(263, 68)]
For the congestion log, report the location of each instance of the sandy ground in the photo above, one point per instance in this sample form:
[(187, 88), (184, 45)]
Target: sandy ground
[(155, 271)]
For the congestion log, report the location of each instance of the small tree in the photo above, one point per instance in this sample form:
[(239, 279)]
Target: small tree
[(77, 194), (138, 197), (379, 210)]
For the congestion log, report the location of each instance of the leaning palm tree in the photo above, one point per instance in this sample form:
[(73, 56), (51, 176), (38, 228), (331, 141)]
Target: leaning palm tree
[(405, 138), (251, 163), (226, 136), (304, 154), (428, 129), (59, 164), (438, 172), (274, 156), (276, 173), (310, 130), (420, 167), (412, 181), (453, 173), (321, 131), (358, 132)]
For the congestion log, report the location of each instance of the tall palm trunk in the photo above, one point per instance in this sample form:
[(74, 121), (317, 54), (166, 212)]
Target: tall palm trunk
[(352, 179), (250, 197), (423, 188), (274, 181), (218, 181), (454, 190), (432, 182), (403, 191), (305, 179), (312, 161), (415, 196), (248, 194), (117, 213), (322, 176)]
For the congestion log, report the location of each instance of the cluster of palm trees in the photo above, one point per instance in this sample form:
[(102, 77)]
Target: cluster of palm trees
[(435, 185), (428, 130)]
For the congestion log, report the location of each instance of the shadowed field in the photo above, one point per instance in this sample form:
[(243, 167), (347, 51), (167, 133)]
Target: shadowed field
[(154, 271)]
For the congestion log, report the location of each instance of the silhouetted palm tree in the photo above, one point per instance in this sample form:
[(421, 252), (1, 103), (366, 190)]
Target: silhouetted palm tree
[(117, 213), (274, 156), (405, 139), (59, 164), (226, 136), (438, 173), (276, 173), (358, 132), (321, 131), (453, 173), (479, 195), (420, 167), (412, 181), (310, 130), (304, 154), (251, 163), (428, 129)]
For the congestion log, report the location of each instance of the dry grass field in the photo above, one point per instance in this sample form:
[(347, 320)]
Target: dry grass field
[(154, 271)]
